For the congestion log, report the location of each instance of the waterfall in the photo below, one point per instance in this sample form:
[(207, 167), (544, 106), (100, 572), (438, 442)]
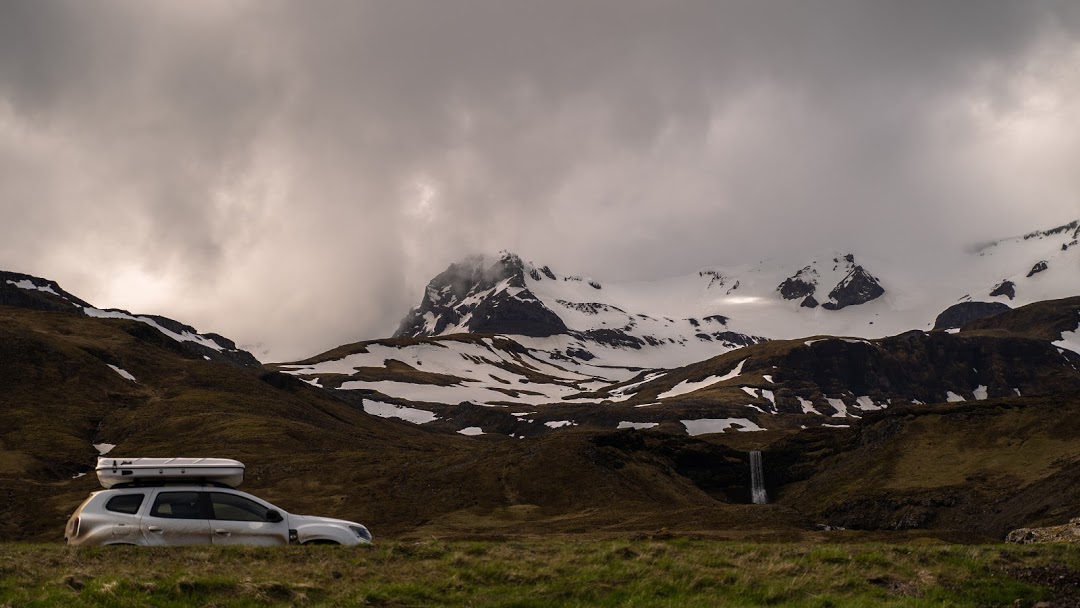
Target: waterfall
[(757, 479)]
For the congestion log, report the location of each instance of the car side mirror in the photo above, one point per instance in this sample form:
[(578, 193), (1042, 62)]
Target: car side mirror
[(274, 516)]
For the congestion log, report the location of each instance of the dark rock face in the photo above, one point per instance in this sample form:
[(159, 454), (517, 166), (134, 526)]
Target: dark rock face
[(503, 313), (926, 366), (465, 292), (1037, 268), (1004, 288), (731, 338), (580, 353), (858, 287), (798, 285), (963, 313), (809, 302), (794, 288), (612, 337)]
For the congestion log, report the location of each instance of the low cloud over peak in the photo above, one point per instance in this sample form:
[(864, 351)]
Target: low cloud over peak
[(292, 174)]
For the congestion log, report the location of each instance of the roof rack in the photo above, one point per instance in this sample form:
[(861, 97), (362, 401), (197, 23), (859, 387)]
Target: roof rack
[(160, 483)]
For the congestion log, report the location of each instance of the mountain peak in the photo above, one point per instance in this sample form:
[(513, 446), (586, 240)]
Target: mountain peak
[(481, 295)]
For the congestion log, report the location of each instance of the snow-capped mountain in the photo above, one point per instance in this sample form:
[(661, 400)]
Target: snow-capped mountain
[(26, 291), (722, 307), (647, 324), (499, 332)]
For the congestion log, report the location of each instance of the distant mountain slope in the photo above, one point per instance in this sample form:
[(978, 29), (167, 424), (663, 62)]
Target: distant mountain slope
[(831, 294), (497, 385), (1040, 265), (25, 291)]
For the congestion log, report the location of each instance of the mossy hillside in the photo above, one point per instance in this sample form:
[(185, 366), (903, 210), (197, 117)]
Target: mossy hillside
[(554, 571), (975, 466), (1042, 320)]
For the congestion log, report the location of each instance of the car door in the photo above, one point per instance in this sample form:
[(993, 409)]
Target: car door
[(240, 519), (177, 517)]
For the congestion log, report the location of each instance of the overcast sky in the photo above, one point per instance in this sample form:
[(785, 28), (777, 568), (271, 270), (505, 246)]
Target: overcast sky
[(291, 174)]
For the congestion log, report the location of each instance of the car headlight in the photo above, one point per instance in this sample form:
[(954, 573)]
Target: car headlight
[(361, 532)]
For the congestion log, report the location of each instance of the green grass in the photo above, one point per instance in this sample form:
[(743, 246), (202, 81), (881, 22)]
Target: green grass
[(563, 571)]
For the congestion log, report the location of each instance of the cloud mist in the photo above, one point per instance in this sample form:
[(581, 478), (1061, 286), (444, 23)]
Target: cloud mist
[(291, 174)]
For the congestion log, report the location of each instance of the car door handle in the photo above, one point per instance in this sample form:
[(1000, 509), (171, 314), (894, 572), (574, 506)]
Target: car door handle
[(154, 528), (221, 532)]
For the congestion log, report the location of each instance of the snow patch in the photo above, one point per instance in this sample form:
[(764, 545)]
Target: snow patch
[(706, 426), (637, 425), (808, 406), (1070, 340), (104, 448), (687, 386), (123, 374), (28, 284), (555, 424), (866, 403), (952, 397), (389, 410), (472, 431), (840, 406), (980, 392)]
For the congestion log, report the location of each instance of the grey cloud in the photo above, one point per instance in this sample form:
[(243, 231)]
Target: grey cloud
[(292, 173)]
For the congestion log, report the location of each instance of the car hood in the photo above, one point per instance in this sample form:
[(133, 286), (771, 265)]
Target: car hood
[(298, 520)]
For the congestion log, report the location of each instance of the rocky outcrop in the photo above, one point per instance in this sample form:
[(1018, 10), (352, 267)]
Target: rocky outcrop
[(1004, 288), (809, 302), (858, 287), (963, 313), (1037, 268), (1068, 533), (794, 288)]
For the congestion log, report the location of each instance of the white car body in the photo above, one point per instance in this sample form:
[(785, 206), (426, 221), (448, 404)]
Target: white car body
[(199, 514)]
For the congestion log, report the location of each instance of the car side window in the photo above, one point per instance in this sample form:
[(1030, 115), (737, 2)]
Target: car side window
[(236, 508), (177, 505), (125, 503)]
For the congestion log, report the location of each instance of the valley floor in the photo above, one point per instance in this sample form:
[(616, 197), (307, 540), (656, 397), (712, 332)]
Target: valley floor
[(553, 571)]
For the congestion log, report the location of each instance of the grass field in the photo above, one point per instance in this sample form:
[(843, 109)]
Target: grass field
[(564, 571)]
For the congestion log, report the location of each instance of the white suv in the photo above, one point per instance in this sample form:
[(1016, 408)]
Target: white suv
[(198, 514)]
